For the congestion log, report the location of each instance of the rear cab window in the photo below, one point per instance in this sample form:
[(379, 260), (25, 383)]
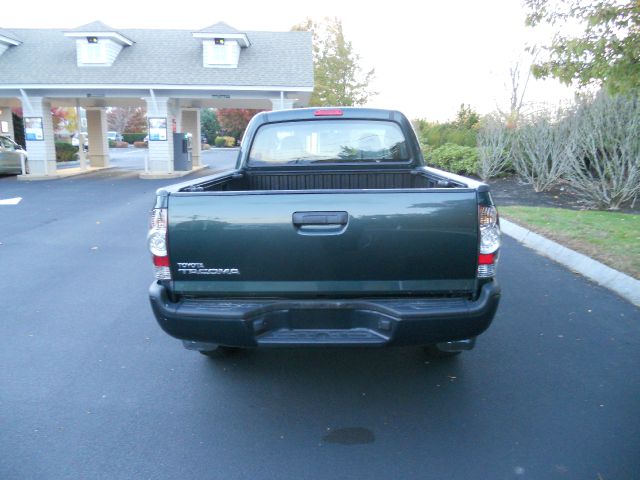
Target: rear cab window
[(329, 141)]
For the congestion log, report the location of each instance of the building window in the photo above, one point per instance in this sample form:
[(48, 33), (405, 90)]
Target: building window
[(219, 52), (93, 52)]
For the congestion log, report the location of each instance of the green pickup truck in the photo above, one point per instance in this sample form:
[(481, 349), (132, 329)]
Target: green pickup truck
[(330, 230)]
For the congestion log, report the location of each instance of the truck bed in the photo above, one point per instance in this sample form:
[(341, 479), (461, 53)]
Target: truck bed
[(325, 180)]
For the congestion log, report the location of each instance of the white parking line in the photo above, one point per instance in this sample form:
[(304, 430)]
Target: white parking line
[(11, 201)]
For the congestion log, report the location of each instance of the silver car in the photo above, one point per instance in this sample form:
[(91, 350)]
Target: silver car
[(10, 156)]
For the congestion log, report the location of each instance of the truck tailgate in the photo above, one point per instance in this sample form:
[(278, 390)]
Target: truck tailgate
[(279, 244)]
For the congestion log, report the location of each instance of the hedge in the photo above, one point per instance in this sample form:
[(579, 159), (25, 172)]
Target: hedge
[(65, 152), (454, 158), (225, 142), (133, 137)]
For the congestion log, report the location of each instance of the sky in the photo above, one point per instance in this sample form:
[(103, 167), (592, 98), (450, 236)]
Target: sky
[(429, 57)]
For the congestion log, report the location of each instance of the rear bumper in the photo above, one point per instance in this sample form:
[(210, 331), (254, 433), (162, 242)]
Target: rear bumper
[(320, 322)]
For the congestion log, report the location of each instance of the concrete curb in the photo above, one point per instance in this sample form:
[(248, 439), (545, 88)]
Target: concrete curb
[(61, 173), (620, 283)]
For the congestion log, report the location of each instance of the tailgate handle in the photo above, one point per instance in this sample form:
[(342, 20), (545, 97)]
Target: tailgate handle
[(301, 219)]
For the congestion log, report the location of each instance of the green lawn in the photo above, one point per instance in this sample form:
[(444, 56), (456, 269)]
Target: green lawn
[(612, 238)]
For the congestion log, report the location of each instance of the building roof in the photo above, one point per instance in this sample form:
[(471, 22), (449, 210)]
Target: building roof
[(219, 27), (223, 30), (9, 34), (96, 26), (159, 57)]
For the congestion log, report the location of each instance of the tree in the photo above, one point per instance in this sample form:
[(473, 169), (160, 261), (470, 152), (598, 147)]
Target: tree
[(64, 119), (138, 121), (234, 121), (517, 89), (209, 124), (127, 119), (607, 51), (339, 79), (466, 118)]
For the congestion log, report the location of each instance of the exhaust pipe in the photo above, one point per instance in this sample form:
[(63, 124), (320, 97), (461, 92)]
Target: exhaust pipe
[(457, 345)]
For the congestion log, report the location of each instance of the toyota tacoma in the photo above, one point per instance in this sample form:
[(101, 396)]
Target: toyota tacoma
[(330, 231)]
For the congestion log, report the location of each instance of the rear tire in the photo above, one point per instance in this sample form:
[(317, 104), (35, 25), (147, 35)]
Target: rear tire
[(436, 352)]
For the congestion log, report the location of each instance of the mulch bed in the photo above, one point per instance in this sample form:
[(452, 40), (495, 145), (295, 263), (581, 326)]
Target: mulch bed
[(510, 191)]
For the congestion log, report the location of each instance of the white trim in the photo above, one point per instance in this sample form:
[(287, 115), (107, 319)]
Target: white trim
[(129, 86), (243, 39), (112, 35), (8, 40)]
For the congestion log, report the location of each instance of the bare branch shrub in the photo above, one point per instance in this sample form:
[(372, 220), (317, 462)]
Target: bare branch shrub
[(494, 144), (541, 150), (606, 168)]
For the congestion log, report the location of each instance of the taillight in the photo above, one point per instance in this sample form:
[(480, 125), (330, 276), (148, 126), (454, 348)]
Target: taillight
[(489, 241), (328, 112), (157, 242)]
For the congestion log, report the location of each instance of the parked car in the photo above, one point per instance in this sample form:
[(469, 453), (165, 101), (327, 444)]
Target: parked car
[(114, 136), (75, 141), (331, 230), (10, 156)]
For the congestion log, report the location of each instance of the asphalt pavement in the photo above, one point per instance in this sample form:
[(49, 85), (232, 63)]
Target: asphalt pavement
[(91, 388)]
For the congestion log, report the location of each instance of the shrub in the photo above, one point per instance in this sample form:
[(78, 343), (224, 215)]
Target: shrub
[(65, 152), (112, 144), (455, 158), (462, 131), (494, 145), (205, 146), (121, 145), (140, 144), (605, 170), (210, 125), (541, 151), (133, 137), (225, 141), (438, 134)]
